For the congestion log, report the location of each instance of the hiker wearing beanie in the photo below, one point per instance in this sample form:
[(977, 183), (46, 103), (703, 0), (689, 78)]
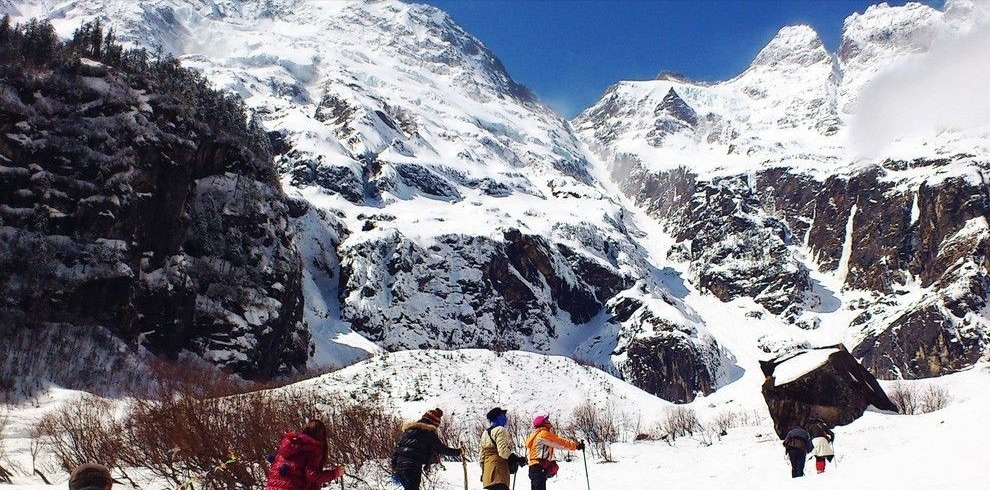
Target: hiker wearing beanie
[(419, 447), (539, 447), (495, 452), (90, 476), (300, 459)]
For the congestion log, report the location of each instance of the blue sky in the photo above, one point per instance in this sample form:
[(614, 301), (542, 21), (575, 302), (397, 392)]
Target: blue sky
[(570, 51)]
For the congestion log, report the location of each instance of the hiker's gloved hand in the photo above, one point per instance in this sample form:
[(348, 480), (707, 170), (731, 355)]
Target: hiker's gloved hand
[(580, 446)]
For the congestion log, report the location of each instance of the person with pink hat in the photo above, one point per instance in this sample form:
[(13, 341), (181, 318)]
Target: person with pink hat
[(540, 445)]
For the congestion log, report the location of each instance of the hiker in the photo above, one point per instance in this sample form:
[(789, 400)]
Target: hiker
[(821, 441), (797, 445), (539, 448), (495, 453), (299, 462), (418, 448), (90, 476)]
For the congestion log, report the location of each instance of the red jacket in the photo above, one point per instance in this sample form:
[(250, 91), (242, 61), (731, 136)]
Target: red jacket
[(297, 465)]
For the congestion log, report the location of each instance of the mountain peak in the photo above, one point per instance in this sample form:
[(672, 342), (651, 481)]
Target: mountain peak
[(793, 45)]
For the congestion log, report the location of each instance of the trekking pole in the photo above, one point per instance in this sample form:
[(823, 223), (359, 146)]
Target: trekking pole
[(341, 482), (584, 456), (464, 464)]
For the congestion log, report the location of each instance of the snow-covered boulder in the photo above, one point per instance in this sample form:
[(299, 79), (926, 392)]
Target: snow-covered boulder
[(827, 383)]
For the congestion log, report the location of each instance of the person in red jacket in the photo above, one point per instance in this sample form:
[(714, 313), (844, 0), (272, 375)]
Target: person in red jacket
[(300, 459)]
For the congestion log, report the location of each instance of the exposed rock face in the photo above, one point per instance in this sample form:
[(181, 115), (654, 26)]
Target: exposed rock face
[(672, 362), (505, 293), (165, 227), (826, 383), (739, 250)]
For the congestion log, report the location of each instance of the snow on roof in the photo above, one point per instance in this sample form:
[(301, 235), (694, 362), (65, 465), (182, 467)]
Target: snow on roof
[(799, 364)]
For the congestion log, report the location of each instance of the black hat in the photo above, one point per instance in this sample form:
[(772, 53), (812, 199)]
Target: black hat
[(494, 413)]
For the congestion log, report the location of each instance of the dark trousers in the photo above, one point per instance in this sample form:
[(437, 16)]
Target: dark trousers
[(409, 476), (537, 477), (797, 461)]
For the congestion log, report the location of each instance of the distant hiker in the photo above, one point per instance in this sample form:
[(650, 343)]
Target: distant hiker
[(821, 441), (495, 453), (797, 445), (539, 447), (90, 476), (419, 447), (299, 462)]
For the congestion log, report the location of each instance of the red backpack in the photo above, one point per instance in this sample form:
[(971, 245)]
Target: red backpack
[(288, 471)]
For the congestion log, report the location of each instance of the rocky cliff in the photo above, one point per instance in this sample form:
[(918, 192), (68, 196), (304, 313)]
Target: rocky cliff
[(137, 200), (758, 180)]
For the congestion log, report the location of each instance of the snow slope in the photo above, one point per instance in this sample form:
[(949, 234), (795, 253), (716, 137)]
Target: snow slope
[(942, 449)]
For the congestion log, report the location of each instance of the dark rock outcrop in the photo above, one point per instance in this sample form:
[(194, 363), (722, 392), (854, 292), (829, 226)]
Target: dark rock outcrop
[(827, 383), (155, 215)]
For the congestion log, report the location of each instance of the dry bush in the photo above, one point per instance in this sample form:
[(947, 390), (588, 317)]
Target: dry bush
[(215, 443), (678, 421), (934, 398), (5, 474), (83, 430), (361, 433), (721, 422), (599, 427), (904, 397), (912, 400), (519, 427)]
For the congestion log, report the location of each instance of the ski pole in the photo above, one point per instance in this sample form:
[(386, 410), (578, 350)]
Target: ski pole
[(584, 456), (464, 464)]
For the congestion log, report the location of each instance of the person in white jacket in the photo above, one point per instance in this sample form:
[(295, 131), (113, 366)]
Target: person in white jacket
[(821, 442)]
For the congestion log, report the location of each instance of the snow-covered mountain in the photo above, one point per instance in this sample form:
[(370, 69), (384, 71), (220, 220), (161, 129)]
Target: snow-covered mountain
[(766, 182), (436, 203), (443, 206)]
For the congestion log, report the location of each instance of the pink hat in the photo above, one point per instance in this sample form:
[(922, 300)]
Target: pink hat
[(540, 419)]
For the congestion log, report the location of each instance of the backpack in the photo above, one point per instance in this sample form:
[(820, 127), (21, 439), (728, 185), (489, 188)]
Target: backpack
[(796, 443), (289, 460)]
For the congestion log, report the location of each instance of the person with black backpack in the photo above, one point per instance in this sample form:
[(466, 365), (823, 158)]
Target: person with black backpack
[(418, 448), (498, 461), (797, 445), (299, 462)]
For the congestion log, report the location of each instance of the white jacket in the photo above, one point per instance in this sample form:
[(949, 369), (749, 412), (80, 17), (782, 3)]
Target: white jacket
[(822, 447)]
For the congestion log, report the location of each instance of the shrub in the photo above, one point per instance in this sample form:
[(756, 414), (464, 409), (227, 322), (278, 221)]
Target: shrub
[(678, 421), (219, 443), (600, 427), (934, 398), (5, 474), (903, 397), (912, 400)]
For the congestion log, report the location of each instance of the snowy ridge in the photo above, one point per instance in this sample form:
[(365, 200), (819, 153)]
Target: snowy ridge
[(449, 208)]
